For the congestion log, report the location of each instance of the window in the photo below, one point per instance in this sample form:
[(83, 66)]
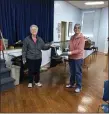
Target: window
[(88, 24)]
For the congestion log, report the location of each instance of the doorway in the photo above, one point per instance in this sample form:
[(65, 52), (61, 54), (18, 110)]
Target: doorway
[(63, 34)]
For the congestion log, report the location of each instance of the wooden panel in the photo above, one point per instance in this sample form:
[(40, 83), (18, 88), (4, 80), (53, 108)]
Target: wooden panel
[(54, 97)]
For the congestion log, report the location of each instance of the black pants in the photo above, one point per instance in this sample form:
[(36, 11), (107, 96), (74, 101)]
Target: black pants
[(34, 70)]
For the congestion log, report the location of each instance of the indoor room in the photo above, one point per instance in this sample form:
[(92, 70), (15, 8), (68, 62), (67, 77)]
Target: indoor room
[(54, 56)]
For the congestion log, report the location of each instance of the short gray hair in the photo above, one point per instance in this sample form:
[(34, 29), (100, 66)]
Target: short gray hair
[(34, 26), (77, 25)]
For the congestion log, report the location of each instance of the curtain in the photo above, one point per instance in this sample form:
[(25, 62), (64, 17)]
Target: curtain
[(16, 17)]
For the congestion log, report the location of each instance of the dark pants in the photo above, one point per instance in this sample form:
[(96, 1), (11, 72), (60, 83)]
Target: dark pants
[(76, 72), (34, 70)]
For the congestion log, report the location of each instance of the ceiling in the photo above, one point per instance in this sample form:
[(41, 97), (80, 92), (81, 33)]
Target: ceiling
[(81, 5)]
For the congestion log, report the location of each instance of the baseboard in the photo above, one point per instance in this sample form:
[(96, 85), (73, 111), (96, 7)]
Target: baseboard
[(100, 53), (106, 52), (46, 66)]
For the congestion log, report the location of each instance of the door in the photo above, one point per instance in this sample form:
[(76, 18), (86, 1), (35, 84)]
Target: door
[(63, 34)]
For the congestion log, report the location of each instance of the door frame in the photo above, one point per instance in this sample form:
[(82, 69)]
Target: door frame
[(65, 34)]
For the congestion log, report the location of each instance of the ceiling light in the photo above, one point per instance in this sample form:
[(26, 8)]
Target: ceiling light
[(94, 3)]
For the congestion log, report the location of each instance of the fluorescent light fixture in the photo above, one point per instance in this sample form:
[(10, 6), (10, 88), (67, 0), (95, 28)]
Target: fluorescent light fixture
[(94, 3)]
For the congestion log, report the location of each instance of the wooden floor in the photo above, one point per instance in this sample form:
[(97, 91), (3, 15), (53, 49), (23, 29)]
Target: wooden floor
[(54, 97)]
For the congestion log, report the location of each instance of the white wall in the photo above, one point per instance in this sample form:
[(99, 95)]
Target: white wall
[(64, 11), (100, 29), (96, 23), (103, 31)]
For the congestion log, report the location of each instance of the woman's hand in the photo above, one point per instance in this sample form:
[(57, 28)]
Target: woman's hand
[(24, 61)]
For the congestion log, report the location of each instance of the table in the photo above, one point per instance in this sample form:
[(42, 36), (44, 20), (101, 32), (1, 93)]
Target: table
[(87, 53), (9, 54)]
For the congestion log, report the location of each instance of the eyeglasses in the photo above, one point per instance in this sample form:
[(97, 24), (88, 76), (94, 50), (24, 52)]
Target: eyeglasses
[(76, 27)]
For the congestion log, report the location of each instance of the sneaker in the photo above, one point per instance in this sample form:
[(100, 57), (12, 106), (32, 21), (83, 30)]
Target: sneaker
[(77, 90), (38, 84), (30, 85), (70, 86)]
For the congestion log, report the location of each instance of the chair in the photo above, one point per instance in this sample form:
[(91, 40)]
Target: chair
[(105, 107), (55, 58), (87, 45), (90, 45)]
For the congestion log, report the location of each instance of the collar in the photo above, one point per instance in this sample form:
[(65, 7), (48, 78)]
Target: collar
[(77, 36), (36, 36)]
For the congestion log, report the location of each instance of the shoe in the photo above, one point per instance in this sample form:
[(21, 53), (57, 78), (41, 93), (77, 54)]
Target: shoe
[(38, 84), (77, 90), (29, 85), (70, 86)]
